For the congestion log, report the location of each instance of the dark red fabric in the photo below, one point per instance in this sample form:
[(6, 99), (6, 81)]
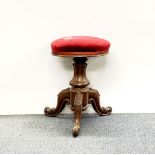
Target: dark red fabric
[(80, 45)]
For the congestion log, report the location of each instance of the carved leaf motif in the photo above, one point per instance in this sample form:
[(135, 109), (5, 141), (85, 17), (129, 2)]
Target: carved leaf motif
[(78, 99)]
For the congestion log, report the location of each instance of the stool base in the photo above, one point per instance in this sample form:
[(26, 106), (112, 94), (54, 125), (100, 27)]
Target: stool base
[(78, 97), (64, 97)]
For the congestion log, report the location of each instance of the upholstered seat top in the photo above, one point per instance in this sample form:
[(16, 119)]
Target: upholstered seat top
[(80, 46)]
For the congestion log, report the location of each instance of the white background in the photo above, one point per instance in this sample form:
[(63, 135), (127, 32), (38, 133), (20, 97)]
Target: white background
[(30, 77)]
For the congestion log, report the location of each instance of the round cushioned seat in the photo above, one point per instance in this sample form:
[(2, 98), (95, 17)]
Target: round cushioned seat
[(80, 46)]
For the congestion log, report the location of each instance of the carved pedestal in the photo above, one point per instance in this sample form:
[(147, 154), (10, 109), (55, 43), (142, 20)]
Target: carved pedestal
[(78, 96)]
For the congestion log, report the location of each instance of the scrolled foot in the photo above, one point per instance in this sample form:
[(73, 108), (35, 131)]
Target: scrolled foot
[(50, 111), (75, 130), (109, 110), (105, 111)]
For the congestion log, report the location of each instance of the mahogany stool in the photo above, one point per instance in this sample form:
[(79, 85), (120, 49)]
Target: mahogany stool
[(79, 95)]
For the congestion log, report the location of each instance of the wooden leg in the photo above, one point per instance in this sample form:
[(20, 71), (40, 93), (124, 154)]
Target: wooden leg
[(63, 99), (94, 99), (77, 113)]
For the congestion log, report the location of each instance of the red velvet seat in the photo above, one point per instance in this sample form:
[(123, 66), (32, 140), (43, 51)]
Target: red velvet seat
[(80, 46)]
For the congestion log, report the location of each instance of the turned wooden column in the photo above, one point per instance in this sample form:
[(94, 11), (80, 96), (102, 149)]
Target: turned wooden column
[(79, 79), (79, 82)]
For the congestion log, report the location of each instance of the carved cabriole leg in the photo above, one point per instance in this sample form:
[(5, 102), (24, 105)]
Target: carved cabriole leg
[(63, 99), (77, 113), (94, 99)]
